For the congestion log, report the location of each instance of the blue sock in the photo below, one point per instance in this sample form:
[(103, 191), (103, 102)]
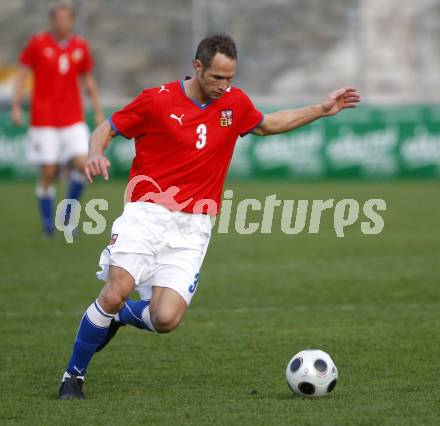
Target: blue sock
[(76, 187), (92, 332), (137, 314), (45, 202)]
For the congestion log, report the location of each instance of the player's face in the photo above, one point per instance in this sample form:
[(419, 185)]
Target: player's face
[(215, 80), (62, 22)]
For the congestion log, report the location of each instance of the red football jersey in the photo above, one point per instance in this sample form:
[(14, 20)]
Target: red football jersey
[(183, 148), (56, 99)]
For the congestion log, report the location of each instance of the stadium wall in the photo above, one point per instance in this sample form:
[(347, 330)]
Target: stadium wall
[(292, 51)]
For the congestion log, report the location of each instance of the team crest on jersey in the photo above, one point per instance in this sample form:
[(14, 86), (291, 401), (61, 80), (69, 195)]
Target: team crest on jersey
[(77, 54), (226, 118), (49, 52)]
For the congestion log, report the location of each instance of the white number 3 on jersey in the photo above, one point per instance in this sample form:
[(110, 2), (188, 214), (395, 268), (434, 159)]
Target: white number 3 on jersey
[(201, 140)]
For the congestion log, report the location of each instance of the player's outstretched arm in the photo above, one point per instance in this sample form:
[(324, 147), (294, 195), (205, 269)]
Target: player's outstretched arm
[(97, 163), (284, 121)]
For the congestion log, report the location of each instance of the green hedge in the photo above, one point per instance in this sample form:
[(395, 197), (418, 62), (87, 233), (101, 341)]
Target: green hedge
[(364, 143)]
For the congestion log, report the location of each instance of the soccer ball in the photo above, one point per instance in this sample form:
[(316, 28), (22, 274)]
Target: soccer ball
[(311, 373)]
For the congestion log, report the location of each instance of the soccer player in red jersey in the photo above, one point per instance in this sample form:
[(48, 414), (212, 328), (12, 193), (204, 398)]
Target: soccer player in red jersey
[(58, 134), (185, 132)]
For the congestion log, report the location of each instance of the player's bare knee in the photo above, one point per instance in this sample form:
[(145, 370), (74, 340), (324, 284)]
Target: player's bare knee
[(111, 299), (118, 287), (46, 180), (79, 163), (163, 328), (165, 322)]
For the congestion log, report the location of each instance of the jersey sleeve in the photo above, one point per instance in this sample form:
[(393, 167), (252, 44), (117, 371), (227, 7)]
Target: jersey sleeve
[(28, 55), (86, 64), (131, 120), (250, 117)]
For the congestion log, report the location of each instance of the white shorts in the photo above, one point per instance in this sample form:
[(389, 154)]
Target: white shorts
[(158, 248), (57, 145)]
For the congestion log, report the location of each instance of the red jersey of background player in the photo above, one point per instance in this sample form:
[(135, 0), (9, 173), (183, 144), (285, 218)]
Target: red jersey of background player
[(56, 98), (183, 148)]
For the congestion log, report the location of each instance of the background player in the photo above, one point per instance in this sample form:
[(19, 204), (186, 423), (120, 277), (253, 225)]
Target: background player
[(185, 134), (58, 134)]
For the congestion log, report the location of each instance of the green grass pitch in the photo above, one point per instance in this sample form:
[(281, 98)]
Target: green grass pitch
[(372, 302)]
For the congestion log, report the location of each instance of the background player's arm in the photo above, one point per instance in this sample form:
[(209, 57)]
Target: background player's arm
[(17, 96), (97, 163), (284, 121), (92, 90)]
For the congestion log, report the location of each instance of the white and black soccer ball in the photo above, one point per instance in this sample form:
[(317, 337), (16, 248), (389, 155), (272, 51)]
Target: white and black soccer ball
[(311, 372)]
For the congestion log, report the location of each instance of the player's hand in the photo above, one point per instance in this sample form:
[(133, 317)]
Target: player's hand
[(99, 118), (347, 97), (17, 115), (97, 165)]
